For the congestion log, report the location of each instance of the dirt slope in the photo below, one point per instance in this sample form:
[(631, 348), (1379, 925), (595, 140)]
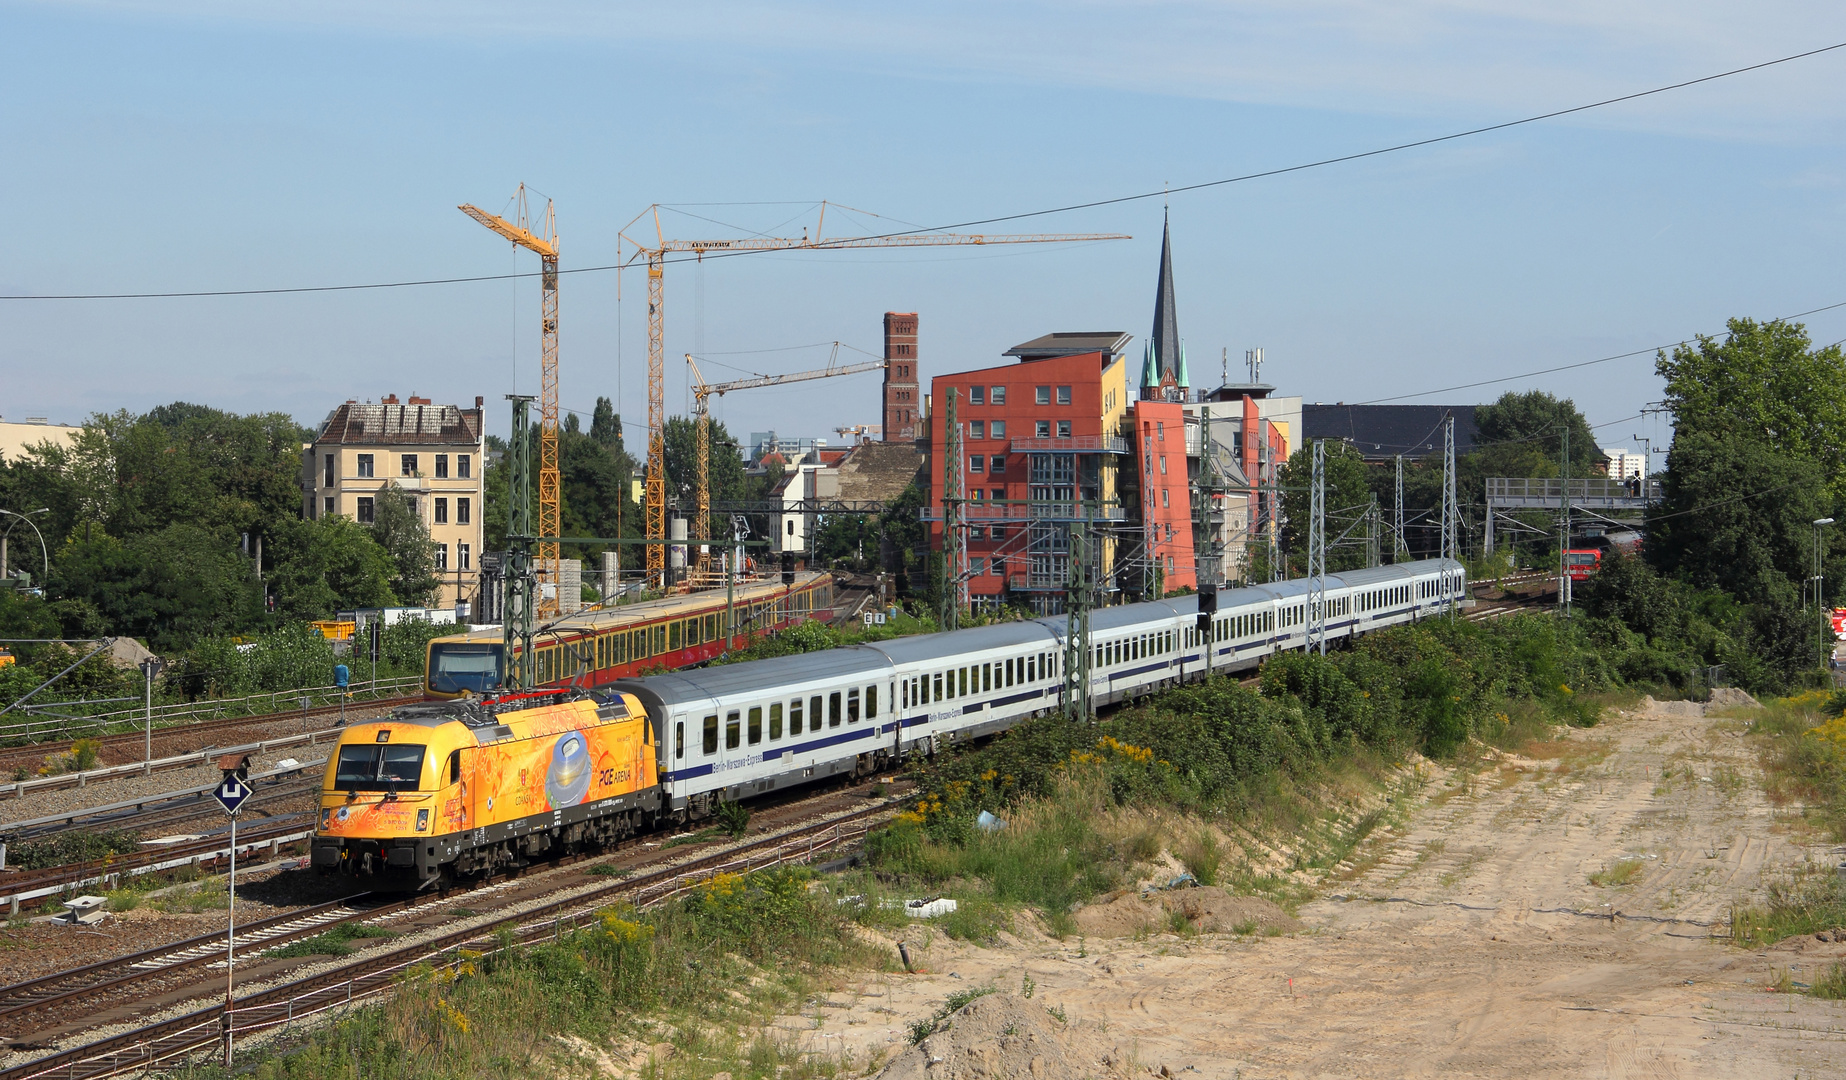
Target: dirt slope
[(1472, 943)]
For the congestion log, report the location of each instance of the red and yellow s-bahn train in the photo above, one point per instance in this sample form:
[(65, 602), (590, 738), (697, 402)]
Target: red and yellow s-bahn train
[(595, 648)]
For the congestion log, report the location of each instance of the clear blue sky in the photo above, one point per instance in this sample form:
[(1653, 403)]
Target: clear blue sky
[(207, 145)]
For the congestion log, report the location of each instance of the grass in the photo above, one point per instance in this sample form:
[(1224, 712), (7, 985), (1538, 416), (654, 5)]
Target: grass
[(1831, 983), (712, 833), (1202, 857), (335, 942), (923, 1029), (72, 846), (1617, 874), (1805, 900)]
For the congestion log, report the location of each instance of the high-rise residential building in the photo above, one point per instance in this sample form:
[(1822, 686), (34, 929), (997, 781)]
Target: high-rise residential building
[(434, 454)]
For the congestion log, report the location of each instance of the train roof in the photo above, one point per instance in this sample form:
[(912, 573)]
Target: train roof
[(924, 647), (776, 672), (664, 607)]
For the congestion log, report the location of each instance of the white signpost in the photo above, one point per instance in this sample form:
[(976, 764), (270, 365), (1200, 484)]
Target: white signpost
[(231, 793)]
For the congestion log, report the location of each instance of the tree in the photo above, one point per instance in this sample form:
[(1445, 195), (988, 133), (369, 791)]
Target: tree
[(399, 529), (328, 565), (1763, 384), (168, 587), (1737, 515), (606, 426), (1519, 432), (725, 472), (1348, 496)]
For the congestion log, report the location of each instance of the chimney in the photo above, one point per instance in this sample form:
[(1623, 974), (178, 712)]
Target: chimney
[(388, 399), (415, 400), (479, 401)]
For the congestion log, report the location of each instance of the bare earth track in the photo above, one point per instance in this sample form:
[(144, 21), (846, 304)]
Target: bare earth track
[(1466, 941)]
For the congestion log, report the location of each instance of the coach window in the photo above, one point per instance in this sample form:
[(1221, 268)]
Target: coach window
[(871, 703), (673, 635), (756, 724), (987, 677), (814, 713), (733, 729), (711, 734), (833, 709), (963, 675), (904, 694), (679, 739), (852, 705), (937, 679)]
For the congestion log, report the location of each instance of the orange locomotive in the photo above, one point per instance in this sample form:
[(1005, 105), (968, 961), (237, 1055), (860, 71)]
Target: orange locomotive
[(467, 787)]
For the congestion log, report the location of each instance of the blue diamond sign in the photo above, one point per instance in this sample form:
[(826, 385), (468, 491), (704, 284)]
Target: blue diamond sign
[(231, 793)]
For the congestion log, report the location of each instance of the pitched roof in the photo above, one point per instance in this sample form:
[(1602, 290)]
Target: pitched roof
[(1380, 432), (402, 425), (1107, 342)]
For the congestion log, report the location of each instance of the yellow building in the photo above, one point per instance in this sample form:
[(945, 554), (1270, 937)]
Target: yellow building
[(435, 454)]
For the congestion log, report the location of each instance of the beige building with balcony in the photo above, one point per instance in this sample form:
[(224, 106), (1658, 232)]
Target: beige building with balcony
[(435, 453)]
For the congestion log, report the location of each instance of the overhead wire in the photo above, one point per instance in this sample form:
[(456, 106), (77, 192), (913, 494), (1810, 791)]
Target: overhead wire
[(1162, 193)]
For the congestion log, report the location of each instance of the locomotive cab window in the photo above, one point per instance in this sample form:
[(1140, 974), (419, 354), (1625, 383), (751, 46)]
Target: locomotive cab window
[(455, 767), (380, 767)]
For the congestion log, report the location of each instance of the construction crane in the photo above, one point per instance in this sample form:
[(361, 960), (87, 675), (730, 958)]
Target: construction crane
[(546, 246), (702, 392), (656, 252)]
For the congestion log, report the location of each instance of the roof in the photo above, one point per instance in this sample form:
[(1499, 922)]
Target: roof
[(775, 674), (401, 425), (1164, 340), (1380, 432), (923, 647), (878, 471), (1110, 342)]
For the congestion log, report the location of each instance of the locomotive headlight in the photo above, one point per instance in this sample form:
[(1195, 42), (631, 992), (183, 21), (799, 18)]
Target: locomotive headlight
[(422, 820), (326, 815)]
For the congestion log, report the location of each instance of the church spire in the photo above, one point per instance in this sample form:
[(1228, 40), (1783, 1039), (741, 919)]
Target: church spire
[(1164, 341)]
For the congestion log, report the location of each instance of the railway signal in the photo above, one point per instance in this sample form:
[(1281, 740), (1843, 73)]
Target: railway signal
[(232, 792)]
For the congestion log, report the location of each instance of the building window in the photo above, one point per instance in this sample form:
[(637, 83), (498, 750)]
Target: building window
[(1163, 464), (996, 463), (1042, 429), (1044, 395), (407, 465), (365, 466), (977, 566), (1063, 429), (1164, 500), (461, 466), (329, 506), (365, 508), (1160, 429), (999, 494), (977, 429), (442, 556), (462, 516), (977, 395), (998, 567), (461, 557), (1063, 395), (326, 470), (442, 466), (974, 462), (442, 511), (997, 429), (999, 395), (413, 506)]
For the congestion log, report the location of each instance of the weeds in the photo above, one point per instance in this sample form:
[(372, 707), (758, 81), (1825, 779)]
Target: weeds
[(923, 1029), (1202, 858), (734, 819), (1831, 983), (334, 942), (76, 845), (1805, 900), (1617, 874)]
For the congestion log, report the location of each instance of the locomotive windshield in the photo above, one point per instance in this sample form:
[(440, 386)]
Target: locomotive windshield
[(387, 767), (455, 666)]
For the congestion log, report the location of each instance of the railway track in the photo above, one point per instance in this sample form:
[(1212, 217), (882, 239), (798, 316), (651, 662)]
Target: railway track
[(167, 809), (34, 885), (128, 746), (377, 971)]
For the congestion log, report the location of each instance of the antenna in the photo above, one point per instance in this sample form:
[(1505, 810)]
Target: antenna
[(1253, 359)]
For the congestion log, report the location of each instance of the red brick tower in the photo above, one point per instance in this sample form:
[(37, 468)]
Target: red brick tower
[(902, 396)]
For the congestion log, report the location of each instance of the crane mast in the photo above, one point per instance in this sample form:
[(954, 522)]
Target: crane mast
[(655, 253), (545, 245)]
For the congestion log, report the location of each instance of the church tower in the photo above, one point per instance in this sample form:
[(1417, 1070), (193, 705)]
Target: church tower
[(1163, 368)]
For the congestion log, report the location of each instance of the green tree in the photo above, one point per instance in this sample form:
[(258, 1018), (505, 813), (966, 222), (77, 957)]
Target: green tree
[(1348, 495), (1762, 383), (1521, 432), (400, 530), (606, 426), (168, 587), (328, 565)]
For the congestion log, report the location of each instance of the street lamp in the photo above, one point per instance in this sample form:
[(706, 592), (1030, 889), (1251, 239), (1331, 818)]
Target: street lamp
[(1819, 600), (43, 553)]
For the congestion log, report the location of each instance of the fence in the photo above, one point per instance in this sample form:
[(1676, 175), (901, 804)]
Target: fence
[(40, 728)]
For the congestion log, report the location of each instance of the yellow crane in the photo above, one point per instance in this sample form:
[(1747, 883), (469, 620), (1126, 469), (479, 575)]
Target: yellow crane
[(702, 390), (545, 244), (656, 252)]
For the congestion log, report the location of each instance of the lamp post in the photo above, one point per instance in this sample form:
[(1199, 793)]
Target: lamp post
[(1819, 600), (27, 518)]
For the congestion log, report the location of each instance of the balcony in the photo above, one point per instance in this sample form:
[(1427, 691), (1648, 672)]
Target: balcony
[(1019, 513), (1081, 444)]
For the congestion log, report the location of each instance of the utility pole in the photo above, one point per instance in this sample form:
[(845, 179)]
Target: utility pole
[(1077, 629), (1564, 528), (149, 668), (1317, 554), (1400, 548), (516, 579), (954, 537), (1372, 525), (1451, 510)]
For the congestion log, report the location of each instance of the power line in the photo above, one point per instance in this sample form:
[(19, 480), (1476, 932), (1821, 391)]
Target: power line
[(1163, 193)]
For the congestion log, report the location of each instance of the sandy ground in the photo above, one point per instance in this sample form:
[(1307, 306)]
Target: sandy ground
[(1468, 941)]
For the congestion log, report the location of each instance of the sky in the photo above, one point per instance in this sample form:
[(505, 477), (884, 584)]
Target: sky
[(181, 145)]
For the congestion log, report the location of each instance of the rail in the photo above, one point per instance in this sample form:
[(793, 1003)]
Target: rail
[(70, 817), (18, 788), (107, 876), (178, 714)]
